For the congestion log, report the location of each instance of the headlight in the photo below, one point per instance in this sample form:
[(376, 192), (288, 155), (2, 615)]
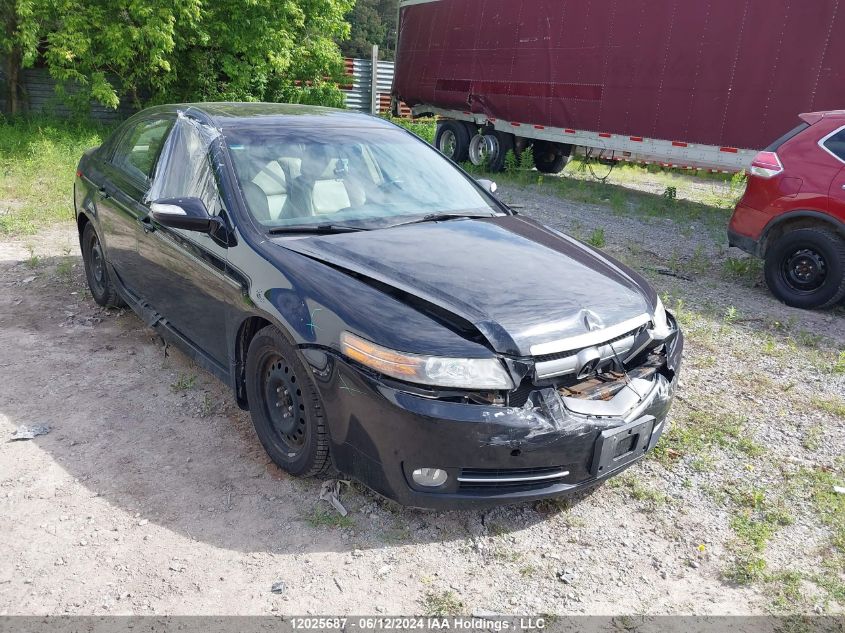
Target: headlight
[(460, 373), (661, 322)]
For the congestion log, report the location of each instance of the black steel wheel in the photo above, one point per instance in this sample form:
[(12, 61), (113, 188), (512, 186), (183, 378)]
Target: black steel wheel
[(284, 405), (805, 268), (96, 270)]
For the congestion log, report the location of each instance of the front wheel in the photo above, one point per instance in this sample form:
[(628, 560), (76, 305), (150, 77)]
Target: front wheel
[(285, 407), (452, 139), (805, 268)]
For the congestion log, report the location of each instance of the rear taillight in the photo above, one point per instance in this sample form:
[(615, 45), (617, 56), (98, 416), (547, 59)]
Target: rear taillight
[(766, 165)]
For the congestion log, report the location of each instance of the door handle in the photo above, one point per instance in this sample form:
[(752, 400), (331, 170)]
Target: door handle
[(103, 192), (147, 224)]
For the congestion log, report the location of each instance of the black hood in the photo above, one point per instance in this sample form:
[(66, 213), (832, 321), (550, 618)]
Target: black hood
[(519, 283)]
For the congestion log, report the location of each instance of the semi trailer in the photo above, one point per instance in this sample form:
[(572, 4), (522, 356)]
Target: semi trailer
[(702, 85)]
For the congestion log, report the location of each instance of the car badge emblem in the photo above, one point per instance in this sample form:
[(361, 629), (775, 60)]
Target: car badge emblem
[(592, 321), (586, 362)]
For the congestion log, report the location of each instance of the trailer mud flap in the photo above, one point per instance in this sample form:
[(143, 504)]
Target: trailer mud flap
[(621, 445)]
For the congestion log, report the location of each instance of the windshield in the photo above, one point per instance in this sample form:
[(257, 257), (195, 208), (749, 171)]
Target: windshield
[(364, 177)]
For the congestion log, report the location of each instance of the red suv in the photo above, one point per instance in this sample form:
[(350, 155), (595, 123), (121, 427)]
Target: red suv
[(793, 212)]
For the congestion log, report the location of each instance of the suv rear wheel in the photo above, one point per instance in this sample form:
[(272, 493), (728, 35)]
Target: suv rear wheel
[(805, 268)]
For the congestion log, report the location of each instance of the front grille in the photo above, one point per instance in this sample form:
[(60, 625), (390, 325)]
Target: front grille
[(525, 478), (566, 354)]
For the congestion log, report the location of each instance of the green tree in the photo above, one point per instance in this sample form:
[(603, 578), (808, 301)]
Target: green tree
[(153, 51), (372, 22), (19, 26)]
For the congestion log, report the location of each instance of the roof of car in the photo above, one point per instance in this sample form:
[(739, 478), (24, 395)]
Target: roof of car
[(235, 114)]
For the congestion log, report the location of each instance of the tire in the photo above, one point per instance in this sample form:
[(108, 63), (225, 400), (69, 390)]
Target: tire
[(805, 268), (452, 140), (284, 405), (96, 270), (551, 158), (490, 149)]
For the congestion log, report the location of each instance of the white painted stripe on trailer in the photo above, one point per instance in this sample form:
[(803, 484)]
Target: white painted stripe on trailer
[(694, 155)]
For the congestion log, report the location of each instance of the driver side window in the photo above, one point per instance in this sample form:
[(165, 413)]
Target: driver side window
[(139, 148)]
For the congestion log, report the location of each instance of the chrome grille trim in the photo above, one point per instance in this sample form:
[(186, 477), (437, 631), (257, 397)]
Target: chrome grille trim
[(588, 339), (566, 365), (513, 478)]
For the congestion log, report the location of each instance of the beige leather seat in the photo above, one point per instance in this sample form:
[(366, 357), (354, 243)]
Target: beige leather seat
[(273, 180)]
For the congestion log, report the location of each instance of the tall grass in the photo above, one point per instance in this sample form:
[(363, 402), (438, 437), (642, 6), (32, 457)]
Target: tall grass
[(38, 158)]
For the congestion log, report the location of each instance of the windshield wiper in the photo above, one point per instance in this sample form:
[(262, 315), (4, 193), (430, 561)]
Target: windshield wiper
[(316, 228), (437, 217)]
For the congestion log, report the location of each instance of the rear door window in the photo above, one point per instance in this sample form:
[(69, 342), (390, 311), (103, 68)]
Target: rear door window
[(835, 144), (138, 150)]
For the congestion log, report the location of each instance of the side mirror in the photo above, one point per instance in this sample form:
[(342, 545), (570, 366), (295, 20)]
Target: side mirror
[(189, 214), (489, 185)]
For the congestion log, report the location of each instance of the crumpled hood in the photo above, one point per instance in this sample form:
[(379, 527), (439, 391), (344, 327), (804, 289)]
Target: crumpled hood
[(518, 282)]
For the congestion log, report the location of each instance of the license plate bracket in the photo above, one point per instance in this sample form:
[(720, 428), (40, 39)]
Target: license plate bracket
[(621, 445)]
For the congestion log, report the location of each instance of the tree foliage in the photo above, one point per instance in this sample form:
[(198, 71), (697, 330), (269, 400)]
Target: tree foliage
[(155, 51), (372, 22)]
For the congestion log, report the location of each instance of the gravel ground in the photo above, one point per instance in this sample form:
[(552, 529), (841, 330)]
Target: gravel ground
[(151, 494)]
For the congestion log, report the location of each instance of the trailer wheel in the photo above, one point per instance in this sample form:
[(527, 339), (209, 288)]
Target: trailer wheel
[(490, 149), (551, 158), (452, 139)]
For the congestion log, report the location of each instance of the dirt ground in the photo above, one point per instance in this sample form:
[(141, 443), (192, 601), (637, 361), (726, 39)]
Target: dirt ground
[(151, 494)]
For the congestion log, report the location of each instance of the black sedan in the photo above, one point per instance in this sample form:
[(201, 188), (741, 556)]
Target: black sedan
[(375, 308)]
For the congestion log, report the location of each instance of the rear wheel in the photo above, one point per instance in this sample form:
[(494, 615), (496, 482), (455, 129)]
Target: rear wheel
[(284, 405), (96, 271), (490, 149), (551, 158), (452, 139), (805, 268)]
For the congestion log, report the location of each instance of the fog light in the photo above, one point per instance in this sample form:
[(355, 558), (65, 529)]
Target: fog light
[(429, 477)]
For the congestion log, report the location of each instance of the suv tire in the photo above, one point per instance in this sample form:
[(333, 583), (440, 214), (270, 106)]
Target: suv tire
[(805, 268)]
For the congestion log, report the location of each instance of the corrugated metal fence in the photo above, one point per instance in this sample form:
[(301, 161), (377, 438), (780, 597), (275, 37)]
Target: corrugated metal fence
[(40, 92), (358, 92), (40, 96)]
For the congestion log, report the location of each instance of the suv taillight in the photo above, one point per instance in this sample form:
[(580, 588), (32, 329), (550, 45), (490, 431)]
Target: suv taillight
[(766, 165)]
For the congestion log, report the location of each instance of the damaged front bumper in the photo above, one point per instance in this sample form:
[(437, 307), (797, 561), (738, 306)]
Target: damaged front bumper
[(553, 445)]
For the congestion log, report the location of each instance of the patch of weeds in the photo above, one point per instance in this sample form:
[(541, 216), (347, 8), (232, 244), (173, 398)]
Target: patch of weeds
[(731, 315), (597, 238), (208, 406), (698, 431), (321, 517), (747, 567), (33, 260), (748, 269), (756, 520), (441, 603), (828, 504), (784, 588), (812, 439), (808, 339), (838, 366), (834, 406), (527, 570), (648, 495), (64, 270), (699, 263), (183, 383), (506, 555), (670, 193), (552, 506)]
